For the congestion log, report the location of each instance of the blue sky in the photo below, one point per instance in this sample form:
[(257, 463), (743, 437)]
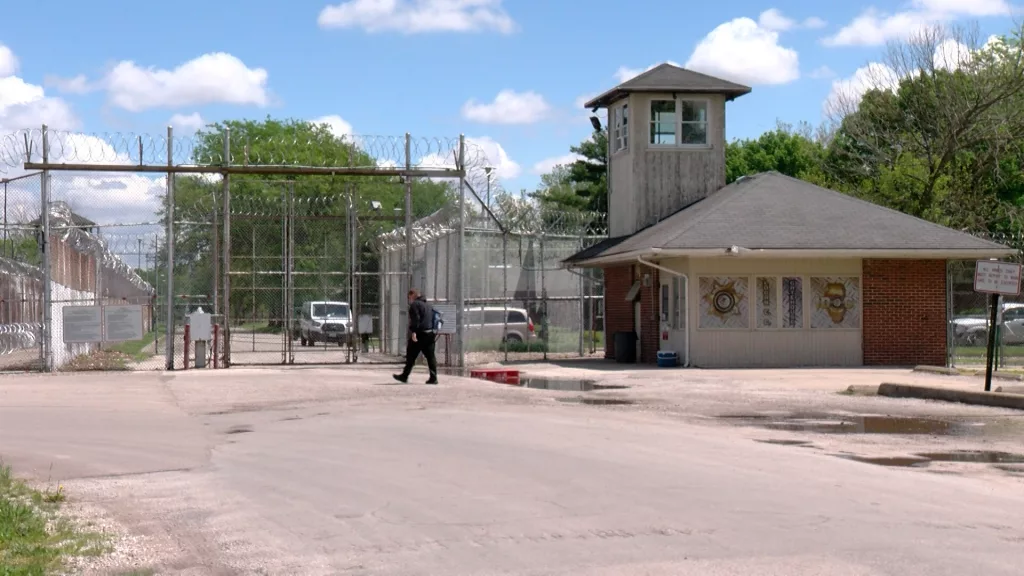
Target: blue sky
[(436, 67)]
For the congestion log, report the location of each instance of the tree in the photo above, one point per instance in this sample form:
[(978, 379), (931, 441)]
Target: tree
[(938, 135), (583, 184), (315, 207), (784, 150)]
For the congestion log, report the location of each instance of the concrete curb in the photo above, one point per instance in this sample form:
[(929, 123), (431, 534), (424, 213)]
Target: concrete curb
[(996, 375), (994, 399), (862, 390), (1010, 389)]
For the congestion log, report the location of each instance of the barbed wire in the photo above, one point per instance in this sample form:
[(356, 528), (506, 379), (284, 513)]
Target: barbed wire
[(299, 148), (21, 336)]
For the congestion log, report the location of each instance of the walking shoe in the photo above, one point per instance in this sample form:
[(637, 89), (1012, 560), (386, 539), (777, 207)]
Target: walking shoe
[(431, 381), (400, 378)]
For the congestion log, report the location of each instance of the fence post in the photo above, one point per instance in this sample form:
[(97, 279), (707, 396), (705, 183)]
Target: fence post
[(543, 298), (460, 293), (169, 360), (226, 247), (583, 309), (46, 348), (504, 290), (408, 212)]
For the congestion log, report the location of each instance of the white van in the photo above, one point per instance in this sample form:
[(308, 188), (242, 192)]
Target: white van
[(325, 321), (487, 322)]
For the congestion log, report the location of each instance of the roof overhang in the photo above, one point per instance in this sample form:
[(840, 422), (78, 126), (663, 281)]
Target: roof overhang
[(784, 253), (615, 94)]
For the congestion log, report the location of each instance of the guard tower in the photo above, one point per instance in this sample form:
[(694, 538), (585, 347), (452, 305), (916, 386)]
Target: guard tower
[(666, 143)]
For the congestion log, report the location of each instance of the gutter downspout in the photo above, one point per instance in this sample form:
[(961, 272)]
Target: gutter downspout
[(686, 287)]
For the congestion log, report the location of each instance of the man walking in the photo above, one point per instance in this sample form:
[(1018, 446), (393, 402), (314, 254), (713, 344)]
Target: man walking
[(421, 337)]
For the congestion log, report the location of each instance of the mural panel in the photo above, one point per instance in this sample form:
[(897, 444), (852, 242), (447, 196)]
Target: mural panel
[(792, 302), (766, 295), (835, 302), (724, 303)]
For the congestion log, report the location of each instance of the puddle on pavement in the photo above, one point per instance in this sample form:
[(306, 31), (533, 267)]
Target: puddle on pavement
[(597, 401), (780, 442), (924, 459), (845, 424), (981, 457), (566, 385)]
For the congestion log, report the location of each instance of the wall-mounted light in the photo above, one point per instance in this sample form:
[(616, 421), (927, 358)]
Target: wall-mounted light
[(596, 123)]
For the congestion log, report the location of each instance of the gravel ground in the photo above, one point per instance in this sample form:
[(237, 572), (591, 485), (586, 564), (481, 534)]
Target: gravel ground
[(333, 471)]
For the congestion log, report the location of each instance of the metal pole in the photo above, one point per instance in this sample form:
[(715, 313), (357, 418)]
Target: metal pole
[(543, 298), (504, 290), (408, 211), (226, 247), (460, 296), (253, 229), (993, 318), (169, 360), (45, 345), (289, 273), (582, 309), (216, 262)]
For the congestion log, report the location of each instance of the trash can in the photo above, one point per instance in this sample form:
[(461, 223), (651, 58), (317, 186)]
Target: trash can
[(625, 347)]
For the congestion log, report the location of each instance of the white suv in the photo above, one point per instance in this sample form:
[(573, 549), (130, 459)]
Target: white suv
[(488, 322), (325, 321)]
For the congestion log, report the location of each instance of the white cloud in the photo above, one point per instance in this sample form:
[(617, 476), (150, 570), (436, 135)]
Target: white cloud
[(189, 123), (24, 105), (822, 72), (211, 78), (508, 107), (548, 164), (8, 62), (874, 27), (337, 125), (77, 85), (418, 16), (773, 19), (480, 151), (846, 93), (742, 51), (951, 55)]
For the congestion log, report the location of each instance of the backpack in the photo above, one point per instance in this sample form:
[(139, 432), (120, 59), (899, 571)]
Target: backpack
[(437, 320)]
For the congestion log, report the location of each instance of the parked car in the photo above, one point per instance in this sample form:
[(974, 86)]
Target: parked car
[(325, 321), (973, 330), (489, 323)]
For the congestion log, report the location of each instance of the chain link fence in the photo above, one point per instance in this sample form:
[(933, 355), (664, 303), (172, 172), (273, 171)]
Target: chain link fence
[(299, 246), (970, 316)]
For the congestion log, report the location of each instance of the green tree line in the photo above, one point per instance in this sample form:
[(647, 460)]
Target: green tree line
[(941, 137)]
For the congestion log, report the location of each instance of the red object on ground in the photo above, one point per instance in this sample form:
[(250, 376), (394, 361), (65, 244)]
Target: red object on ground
[(499, 375)]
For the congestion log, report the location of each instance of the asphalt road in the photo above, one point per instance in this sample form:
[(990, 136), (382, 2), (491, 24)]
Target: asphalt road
[(315, 471)]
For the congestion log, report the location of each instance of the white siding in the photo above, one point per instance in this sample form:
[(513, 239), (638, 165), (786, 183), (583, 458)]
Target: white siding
[(742, 348)]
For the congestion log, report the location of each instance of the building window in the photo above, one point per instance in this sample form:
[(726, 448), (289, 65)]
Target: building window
[(663, 122), (682, 122), (679, 303), (620, 128)]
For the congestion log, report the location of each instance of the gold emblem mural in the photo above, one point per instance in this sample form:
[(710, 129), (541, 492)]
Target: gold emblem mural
[(723, 302), (836, 302)]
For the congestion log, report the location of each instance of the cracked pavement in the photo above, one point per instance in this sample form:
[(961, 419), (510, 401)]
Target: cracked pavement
[(333, 471)]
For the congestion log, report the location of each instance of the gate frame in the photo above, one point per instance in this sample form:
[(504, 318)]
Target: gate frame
[(226, 169)]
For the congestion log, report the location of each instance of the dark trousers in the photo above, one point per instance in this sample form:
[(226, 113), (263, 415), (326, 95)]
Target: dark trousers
[(424, 344)]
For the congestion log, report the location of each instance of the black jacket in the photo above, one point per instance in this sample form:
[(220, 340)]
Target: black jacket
[(421, 315)]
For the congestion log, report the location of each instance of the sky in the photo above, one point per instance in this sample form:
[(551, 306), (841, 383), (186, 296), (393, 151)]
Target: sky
[(509, 74)]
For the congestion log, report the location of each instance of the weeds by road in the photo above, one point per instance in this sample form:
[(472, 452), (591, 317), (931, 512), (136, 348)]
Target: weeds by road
[(35, 540)]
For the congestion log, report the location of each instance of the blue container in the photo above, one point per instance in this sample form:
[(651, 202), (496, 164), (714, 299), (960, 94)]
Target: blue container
[(667, 359)]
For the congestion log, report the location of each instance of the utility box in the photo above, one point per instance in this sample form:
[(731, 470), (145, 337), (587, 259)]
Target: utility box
[(200, 331)]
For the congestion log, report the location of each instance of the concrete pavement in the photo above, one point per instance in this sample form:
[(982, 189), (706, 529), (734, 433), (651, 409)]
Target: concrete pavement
[(315, 471)]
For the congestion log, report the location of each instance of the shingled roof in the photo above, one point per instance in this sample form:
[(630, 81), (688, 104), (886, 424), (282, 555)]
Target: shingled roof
[(770, 213), (669, 78)]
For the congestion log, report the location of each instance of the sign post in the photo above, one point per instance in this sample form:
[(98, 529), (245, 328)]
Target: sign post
[(996, 279)]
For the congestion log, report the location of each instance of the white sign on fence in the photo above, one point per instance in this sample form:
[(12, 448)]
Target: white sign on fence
[(993, 277), (122, 323), (448, 317), (82, 324)]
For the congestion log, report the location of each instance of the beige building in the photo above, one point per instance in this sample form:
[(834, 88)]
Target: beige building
[(768, 271)]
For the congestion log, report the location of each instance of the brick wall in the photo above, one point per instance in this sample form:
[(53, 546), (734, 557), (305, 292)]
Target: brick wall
[(904, 312), (618, 314), (650, 318)]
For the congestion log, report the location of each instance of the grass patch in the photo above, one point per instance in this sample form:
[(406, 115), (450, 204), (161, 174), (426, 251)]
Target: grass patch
[(35, 540), (979, 351), (138, 349), (98, 361), (559, 341)]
